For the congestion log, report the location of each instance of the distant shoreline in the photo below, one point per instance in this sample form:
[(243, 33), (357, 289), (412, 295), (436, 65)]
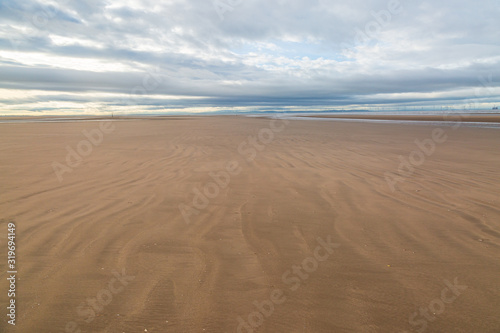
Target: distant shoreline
[(444, 117), (478, 118)]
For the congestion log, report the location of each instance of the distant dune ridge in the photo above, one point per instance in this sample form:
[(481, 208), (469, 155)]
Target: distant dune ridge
[(106, 249)]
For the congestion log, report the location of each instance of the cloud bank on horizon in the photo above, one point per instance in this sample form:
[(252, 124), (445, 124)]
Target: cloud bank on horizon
[(133, 56)]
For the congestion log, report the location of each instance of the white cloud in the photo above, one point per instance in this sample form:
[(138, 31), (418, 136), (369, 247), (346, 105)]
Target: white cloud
[(284, 54)]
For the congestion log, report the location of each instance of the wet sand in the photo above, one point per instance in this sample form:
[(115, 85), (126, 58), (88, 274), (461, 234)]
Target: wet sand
[(297, 220), (455, 117)]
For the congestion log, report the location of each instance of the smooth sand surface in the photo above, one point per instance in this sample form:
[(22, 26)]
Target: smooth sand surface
[(119, 211), (455, 117)]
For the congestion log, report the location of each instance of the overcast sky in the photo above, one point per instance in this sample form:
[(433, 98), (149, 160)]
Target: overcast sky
[(132, 56)]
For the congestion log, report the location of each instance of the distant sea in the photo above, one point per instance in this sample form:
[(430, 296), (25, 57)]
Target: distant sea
[(286, 115)]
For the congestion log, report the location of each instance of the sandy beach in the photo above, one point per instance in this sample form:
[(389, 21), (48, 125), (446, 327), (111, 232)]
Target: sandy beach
[(237, 224)]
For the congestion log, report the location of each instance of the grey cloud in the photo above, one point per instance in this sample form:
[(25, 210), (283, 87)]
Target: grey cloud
[(431, 46)]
